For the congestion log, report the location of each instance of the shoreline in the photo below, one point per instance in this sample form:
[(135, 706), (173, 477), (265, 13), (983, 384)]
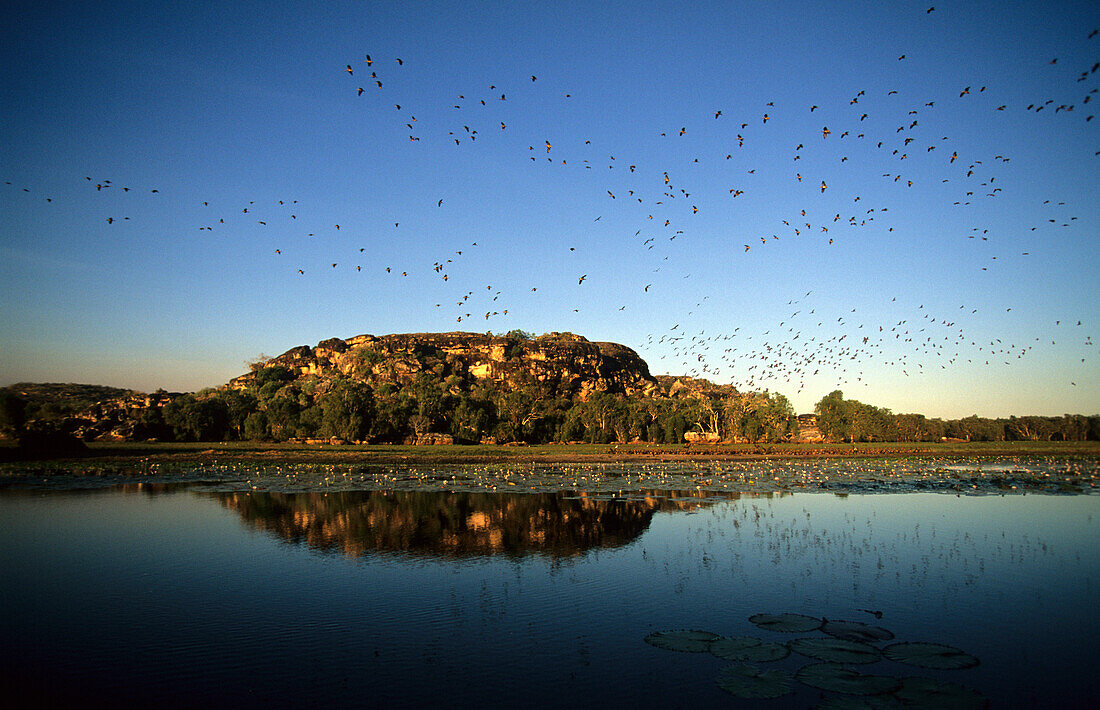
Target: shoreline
[(458, 454), (976, 468)]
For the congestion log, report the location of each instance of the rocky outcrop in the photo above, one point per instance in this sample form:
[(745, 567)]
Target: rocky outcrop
[(684, 387), (87, 412), (807, 428), (558, 364)]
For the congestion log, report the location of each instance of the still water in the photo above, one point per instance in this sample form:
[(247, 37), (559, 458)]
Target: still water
[(177, 596)]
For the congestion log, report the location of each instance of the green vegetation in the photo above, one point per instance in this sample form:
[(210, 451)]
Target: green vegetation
[(849, 420), (423, 392), (57, 400)]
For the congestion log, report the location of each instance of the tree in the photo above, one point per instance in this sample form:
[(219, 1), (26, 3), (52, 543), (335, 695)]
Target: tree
[(515, 411), (1028, 429), (255, 427), (12, 411), (151, 425), (282, 417), (673, 426), (736, 409), (471, 419), (834, 417), (776, 417), (258, 362), (432, 403), (194, 419), (238, 406), (392, 410), (347, 410), (911, 427)]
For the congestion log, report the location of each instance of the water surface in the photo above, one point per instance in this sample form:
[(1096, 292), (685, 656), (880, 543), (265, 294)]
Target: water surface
[(177, 596)]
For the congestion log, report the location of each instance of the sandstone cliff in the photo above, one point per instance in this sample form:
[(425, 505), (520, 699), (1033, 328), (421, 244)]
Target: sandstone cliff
[(562, 364)]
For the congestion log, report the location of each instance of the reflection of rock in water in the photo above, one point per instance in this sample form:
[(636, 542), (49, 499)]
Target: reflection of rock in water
[(445, 524)]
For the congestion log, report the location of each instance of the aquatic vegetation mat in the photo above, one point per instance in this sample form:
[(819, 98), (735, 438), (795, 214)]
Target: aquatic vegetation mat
[(836, 650), (847, 643), (856, 631), (929, 693), (930, 655), (748, 648), (289, 470), (841, 679), (787, 623), (687, 640), (747, 681), (862, 702)]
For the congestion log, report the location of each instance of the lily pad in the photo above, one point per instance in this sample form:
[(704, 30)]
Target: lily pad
[(930, 655), (836, 650), (746, 681), (687, 640), (788, 623), (856, 631), (748, 648), (841, 679), (929, 693), (861, 702)]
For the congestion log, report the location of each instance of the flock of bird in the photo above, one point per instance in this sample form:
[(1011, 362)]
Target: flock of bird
[(865, 128)]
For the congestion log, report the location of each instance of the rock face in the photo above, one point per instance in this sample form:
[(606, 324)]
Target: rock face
[(684, 387), (88, 412), (807, 427), (560, 364)]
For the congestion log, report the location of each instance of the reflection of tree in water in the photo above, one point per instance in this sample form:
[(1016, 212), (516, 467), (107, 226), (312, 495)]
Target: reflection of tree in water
[(453, 524)]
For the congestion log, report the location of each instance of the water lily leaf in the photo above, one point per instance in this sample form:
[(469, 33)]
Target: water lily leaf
[(861, 702), (929, 693), (746, 681), (930, 655), (841, 679), (856, 631), (836, 650), (748, 648), (790, 623), (687, 640)]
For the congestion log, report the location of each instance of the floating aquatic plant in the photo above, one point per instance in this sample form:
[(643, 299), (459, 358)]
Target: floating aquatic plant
[(748, 648), (861, 702), (747, 681), (788, 623), (930, 693), (835, 650), (856, 631), (688, 640), (841, 679), (930, 655)]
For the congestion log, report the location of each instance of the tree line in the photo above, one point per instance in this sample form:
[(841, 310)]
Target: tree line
[(278, 405), (850, 420)]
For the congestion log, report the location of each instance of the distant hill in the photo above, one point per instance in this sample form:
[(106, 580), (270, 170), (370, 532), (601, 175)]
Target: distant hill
[(57, 399), (559, 365), (474, 387)]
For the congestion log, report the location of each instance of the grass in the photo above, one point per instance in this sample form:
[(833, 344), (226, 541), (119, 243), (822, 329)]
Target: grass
[(557, 453)]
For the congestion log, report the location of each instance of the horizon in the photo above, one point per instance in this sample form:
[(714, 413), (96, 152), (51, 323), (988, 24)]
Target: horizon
[(870, 197)]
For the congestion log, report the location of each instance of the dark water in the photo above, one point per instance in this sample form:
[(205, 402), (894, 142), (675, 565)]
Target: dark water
[(172, 597)]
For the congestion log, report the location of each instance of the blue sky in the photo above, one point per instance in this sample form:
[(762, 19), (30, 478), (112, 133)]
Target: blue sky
[(969, 303)]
